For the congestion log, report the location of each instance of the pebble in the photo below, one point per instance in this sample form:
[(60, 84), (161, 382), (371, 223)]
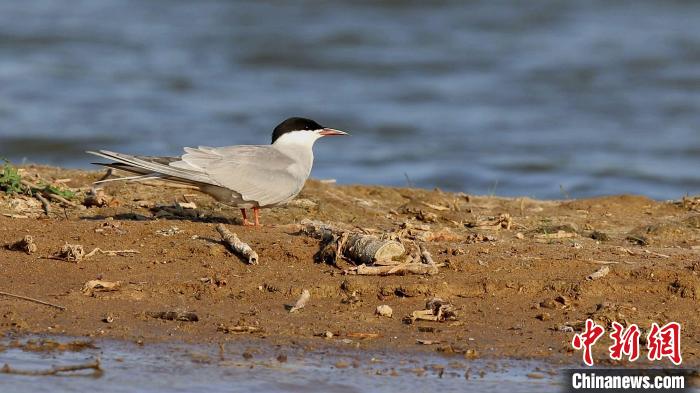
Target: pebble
[(384, 311)]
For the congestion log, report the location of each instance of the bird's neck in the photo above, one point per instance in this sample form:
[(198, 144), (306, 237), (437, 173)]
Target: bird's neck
[(302, 153)]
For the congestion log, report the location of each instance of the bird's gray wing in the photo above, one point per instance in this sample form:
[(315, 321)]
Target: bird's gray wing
[(259, 173), (156, 166)]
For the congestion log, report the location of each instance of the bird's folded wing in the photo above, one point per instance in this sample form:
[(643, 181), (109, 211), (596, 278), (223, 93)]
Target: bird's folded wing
[(258, 173)]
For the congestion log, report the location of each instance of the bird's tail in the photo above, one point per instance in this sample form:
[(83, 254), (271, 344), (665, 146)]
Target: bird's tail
[(148, 168)]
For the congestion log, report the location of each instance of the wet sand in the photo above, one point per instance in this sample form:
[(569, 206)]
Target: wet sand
[(515, 270)]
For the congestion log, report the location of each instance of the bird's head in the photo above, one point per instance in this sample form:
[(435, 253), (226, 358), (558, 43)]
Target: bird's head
[(298, 130)]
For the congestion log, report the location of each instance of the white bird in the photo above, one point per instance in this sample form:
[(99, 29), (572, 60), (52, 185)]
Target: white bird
[(243, 176)]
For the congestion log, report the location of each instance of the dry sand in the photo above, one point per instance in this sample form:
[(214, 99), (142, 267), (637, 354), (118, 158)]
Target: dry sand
[(519, 288)]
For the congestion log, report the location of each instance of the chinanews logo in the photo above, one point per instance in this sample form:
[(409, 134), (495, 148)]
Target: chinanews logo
[(663, 342)]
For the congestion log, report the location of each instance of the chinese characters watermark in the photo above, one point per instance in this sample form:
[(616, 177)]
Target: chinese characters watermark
[(662, 342)]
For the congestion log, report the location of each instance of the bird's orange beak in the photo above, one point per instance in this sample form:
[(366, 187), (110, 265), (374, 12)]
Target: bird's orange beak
[(331, 131)]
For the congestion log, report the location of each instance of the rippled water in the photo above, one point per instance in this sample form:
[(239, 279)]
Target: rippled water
[(545, 99), (189, 368)]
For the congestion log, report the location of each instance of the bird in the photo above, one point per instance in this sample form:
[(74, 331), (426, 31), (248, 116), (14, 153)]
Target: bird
[(242, 176)]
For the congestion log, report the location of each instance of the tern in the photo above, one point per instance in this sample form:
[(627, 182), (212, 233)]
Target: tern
[(243, 176)]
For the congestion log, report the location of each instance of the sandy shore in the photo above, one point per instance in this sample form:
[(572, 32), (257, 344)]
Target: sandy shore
[(515, 270)]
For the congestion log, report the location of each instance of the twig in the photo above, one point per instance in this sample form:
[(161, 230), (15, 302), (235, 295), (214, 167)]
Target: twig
[(60, 199), (232, 240), (404, 268), (29, 184), (44, 202), (603, 262), (35, 190), (55, 370), (657, 254), (111, 253), (32, 300)]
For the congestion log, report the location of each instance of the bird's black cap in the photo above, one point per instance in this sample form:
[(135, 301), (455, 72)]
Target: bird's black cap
[(294, 124)]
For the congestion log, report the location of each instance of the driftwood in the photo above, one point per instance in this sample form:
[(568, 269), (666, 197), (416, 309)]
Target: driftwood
[(415, 264), (357, 247), (56, 370), (236, 245), (29, 299), (301, 302)]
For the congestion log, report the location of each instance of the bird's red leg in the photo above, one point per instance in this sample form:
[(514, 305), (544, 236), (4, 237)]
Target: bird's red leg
[(245, 218), (256, 214)]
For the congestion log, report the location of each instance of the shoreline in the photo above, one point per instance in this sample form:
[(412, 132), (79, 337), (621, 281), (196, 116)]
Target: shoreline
[(515, 269)]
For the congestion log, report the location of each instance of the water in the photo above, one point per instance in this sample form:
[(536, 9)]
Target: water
[(546, 99), (190, 368)]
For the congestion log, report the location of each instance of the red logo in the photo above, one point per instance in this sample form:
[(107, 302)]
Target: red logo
[(625, 341), (665, 342), (662, 342), (586, 339)]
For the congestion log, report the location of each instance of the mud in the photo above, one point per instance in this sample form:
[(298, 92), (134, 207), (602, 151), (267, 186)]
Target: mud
[(515, 270)]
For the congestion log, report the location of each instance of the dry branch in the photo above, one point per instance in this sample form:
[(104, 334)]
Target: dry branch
[(236, 245), (399, 270), (32, 300), (61, 199), (111, 253), (46, 204), (55, 370)]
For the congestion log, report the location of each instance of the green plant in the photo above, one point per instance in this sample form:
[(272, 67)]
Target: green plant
[(68, 194), (11, 183), (10, 179)]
